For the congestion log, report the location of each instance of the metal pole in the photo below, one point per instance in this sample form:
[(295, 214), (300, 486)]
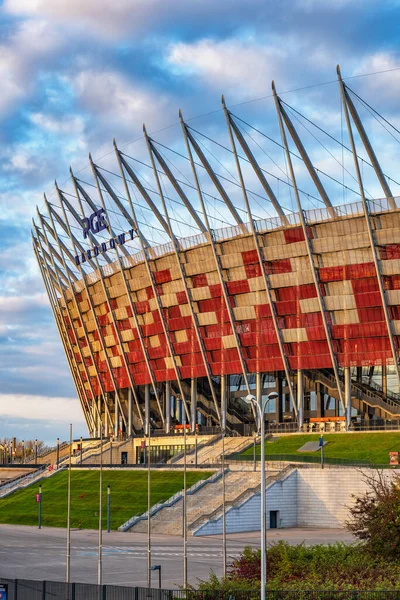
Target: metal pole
[(223, 508), (40, 508), (148, 513), (321, 443), (111, 457), (100, 536), (184, 506), (108, 509), (68, 565), (254, 452), (81, 450), (58, 452), (263, 508), (195, 448), (36, 451), (23, 452)]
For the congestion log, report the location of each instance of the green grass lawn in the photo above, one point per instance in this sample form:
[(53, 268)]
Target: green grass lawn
[(372, 447), (128, 497)]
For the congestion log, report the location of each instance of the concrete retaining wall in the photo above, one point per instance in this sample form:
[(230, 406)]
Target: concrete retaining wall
[(305, 498)]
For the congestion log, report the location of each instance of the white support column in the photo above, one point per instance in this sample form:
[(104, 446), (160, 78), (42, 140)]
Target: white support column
[(347, 395), (116, 416), (223, 401), (193, 405), (130, 412), (147, 408), (300, 398), (167, 407)]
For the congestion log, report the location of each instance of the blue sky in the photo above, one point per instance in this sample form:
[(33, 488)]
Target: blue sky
[(76, 73)]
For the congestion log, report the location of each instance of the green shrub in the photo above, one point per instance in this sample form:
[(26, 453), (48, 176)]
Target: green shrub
[(320, 567)]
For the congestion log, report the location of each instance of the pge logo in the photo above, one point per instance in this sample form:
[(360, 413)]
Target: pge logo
[(95, 223)]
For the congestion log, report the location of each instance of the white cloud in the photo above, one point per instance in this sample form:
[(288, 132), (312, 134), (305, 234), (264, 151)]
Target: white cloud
[(71, 125), (106, 18), (20, 56), (117, 101), (243, 68), (385, 86), (41, 407)]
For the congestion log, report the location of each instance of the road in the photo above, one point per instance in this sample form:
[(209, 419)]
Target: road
[(27, 553)]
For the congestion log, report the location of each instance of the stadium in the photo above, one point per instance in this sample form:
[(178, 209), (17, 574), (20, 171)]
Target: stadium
[(164, 328)]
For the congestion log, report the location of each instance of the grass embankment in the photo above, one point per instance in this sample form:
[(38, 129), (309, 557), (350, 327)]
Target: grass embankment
[(128, 497), (353, 447)]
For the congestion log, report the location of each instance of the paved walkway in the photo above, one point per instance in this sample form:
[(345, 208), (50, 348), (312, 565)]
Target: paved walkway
[(27, 553)]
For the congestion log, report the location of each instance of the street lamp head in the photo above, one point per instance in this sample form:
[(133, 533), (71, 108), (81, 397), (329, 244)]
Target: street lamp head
[(250, 398), (273, 395)]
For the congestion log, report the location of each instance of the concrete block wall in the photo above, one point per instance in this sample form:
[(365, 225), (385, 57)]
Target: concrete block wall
[(281, 496), (324, 496), (312, 498)]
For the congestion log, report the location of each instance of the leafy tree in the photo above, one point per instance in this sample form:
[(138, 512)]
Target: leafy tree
[(375, 515)]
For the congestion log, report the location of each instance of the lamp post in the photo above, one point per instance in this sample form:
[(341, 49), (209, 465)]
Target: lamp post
[(261, 405), (40, 507), (108, 509)]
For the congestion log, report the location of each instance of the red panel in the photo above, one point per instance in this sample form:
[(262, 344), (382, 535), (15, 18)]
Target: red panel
[(340, 273), (192, 359), (304, 348), (149, 292), (142, 378), (391, 252), (158, 352), (181, 298), (277, 267), (238, 287), (367, 300), (181, 323), (287, 308), (211, 305), (192, 372), (266, 351), (153, 328), (294, 235), (200, 280), (173, 312), (250, 257), (362, 286), (134, 357), (253, 270), (186, 347), (212, 343), (316, 333), (266, 364), (162, 276), (142, 307), (222, 316), (215, 290), (359, 330), (369, 315), (366, 345), (262, 310)]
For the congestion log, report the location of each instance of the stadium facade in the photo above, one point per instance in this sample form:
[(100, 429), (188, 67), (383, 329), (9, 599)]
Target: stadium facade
[(306, 303)]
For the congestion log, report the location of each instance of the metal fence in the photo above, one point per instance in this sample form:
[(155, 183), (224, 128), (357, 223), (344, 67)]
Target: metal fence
[(23, 589)]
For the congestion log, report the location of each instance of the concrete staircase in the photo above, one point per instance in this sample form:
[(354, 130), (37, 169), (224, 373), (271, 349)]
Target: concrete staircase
[(206, 500), (212, 453)]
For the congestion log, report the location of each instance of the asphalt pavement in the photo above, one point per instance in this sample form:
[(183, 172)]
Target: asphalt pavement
[(29, 553)]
